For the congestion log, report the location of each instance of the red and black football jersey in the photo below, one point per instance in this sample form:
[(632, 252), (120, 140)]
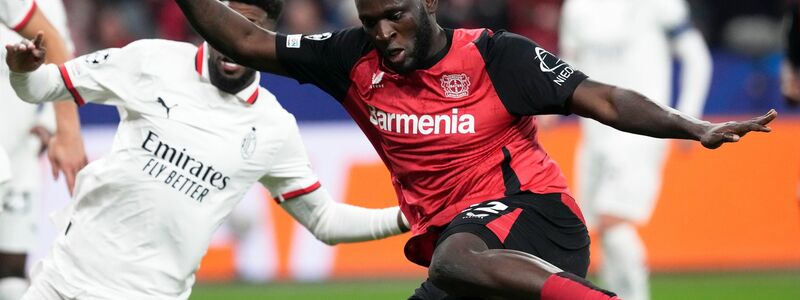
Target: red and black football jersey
[(458, 131)]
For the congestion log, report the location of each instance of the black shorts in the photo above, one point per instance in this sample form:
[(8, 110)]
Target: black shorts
[(542, 225)]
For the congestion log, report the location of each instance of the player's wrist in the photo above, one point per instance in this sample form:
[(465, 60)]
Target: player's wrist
[(402, 222)]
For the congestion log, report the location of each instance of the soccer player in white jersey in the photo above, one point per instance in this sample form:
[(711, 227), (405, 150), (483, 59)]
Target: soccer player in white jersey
[(196, 132), (629, 43), (65, 148), (24, 129)]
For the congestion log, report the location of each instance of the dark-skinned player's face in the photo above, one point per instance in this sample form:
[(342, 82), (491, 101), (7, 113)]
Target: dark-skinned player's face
[(223, 72), (400, 30)]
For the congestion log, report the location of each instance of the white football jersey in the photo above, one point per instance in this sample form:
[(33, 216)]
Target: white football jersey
[(184, 155), (624, 43)]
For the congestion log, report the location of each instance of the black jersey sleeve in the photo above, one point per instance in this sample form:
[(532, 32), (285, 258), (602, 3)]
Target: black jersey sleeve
[(528, 79), (324, 60)]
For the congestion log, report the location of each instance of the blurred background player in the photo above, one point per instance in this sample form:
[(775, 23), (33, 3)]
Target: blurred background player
[(629, 43), (25, 131), (65, 148)]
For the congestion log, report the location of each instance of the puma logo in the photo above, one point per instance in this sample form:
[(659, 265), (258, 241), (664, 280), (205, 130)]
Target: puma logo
[(164, 104)]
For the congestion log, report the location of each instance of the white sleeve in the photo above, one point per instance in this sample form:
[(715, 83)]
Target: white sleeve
[(294, 185), (15, 14), (42, 85), (112, 76), (290, 175), (333, 223), (691, 50)]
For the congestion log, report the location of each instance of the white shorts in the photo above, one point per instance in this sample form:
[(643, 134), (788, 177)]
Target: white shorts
[(21, 200), (623, 180)]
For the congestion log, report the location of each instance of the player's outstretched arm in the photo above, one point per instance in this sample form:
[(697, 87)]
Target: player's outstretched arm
[(631, 112), (232, 34), (334, 223), (66, 151)]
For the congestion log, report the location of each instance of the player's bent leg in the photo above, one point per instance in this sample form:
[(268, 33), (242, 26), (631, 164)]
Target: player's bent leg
[(625, 268), (12, 276), (463, 265)]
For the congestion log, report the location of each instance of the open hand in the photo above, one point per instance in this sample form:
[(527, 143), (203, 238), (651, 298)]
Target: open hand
[(26, 56), (731, 132)]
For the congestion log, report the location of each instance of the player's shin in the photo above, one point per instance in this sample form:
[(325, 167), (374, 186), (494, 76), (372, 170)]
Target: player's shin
[(625, 268)]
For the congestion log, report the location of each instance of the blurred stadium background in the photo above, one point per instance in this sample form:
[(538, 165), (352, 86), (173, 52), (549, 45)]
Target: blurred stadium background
[(727, 225)]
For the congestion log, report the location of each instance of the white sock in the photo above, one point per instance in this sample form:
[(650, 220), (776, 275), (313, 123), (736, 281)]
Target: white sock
[(625, 270), (12, 288)]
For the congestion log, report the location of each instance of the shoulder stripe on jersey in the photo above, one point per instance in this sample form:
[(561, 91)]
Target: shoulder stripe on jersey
[(198, 60), (510, 178), (70, 87), (253, 97), (27, 18), (294, 194)]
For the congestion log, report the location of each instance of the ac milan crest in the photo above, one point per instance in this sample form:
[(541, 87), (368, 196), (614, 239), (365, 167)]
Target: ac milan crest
[(455, 85)]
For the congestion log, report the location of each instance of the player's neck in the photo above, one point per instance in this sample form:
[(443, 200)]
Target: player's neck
[(440, 41), (440, 46)]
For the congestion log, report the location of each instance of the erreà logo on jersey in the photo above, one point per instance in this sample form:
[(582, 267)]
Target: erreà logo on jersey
[(455, 85), (454, 123), (550, 63)]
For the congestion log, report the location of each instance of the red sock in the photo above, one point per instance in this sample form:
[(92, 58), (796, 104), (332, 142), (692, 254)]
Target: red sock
[(568, 286)]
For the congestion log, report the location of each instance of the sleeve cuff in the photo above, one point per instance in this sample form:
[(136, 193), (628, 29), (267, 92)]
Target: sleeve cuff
[(26, 18), (70, 86)]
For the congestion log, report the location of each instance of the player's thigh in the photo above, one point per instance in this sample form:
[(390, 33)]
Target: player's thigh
[(631, 192), (541, 225)]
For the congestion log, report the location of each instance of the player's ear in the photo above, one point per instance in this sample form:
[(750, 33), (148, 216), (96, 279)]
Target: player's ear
[(431, 5)]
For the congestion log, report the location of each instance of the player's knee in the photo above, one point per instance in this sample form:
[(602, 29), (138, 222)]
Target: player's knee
[(454, 261), (449, 274), (606, 222)]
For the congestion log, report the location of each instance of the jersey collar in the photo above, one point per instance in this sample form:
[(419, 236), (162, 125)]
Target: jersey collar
[(248, 94)]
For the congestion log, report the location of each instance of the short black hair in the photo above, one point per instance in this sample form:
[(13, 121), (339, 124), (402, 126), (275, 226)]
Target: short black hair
[(274, 8)]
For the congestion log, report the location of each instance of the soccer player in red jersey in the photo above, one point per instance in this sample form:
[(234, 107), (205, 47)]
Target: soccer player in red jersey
[(450, 112)]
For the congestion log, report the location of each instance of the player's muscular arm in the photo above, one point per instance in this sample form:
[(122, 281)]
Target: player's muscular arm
[(232, 34), (631, 112)]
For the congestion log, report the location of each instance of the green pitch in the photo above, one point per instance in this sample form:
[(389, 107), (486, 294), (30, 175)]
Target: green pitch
[(773, 286)]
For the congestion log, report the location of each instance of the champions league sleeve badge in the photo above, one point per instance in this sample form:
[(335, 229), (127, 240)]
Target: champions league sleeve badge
[(97, 58), (249, 144)]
